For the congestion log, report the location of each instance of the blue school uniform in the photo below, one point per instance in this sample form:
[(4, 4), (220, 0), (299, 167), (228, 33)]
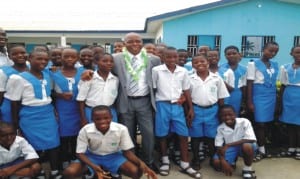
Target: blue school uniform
[(235, 97), (5, 107), (264, 95), (291, 96), (68, 110), (38, 123)]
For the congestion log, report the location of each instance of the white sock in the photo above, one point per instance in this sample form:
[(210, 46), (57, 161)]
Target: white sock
[(201, 146), (165, 159), (184, 164), (54, 172), (262, 149), (247, 168), (291, 149)]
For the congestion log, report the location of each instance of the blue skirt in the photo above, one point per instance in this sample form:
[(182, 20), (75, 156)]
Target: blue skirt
[(6, 110), (68, 117), (290, 105), (39, 126), (235, 100), (264, 100)]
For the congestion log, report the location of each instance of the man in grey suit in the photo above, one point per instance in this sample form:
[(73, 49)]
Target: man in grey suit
[(135, 103)]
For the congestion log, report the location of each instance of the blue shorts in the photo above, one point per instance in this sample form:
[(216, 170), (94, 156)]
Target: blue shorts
[(88, 114), (205, 122), (169, 116), (18, 160), (232, 153), (111, 162)]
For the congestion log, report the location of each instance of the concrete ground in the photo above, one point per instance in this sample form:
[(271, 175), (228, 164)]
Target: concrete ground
[(273, 168)]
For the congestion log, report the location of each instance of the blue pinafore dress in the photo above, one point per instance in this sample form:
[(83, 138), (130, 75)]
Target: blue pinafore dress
[(38, 123), (5, 107), (291, 97), (235, 97), (68, 110), (264, 95)]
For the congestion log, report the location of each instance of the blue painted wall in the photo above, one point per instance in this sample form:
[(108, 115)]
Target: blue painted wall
[(232, 22)]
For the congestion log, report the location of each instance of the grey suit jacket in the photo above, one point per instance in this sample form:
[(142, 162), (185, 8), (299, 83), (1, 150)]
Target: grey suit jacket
[(120, 71)]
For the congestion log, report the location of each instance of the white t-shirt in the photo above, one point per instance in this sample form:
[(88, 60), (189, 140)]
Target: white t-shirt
[(242, 130), (115, 139), (20, 148)]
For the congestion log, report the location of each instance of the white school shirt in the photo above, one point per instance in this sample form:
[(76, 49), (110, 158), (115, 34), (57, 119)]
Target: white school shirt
[(254, 74), (3, 81), (97, 91), (142, 82), (209, 91), (242, 130), (169, 85), (115, 139), (19, 89), (20, 148), (284, 78)]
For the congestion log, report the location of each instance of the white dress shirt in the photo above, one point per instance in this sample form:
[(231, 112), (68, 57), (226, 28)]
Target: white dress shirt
[(20, 148), (242, 130), (115, 139), (97, 91), (142, 83)]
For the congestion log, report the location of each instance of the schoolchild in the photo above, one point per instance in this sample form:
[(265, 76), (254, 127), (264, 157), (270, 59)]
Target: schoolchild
[(235, 137), (208, 92), (203, 49), (169, 82), (32, 109), (86, 59), (106, 145), (102, 89), (261, 93), (213, 57), (55, 58), (290, 99), (18, 54), (4, 59), (17, 157), (65, 92), (118, 46), (234, 76), (150, 48)]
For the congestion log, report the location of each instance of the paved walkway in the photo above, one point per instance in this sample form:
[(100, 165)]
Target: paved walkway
[(274, 168)]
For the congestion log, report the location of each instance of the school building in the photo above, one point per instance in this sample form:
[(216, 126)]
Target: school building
[(247, 24)]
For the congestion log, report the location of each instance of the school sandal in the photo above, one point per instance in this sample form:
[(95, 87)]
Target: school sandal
[(287, 154), (259, 156), (176, 157), (248, 174), (193, 173), (297, 156), (162, 169), (202, 155)]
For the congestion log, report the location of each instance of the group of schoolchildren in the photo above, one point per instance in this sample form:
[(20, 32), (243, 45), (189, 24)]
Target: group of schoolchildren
[(200, 100)]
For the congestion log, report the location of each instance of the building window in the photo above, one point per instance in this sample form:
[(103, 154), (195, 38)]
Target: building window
[(192, 44), (296, 40), (194, 41), (252, 45)]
